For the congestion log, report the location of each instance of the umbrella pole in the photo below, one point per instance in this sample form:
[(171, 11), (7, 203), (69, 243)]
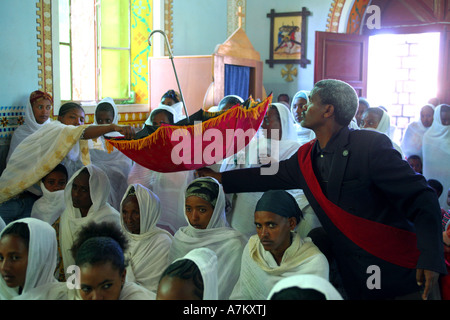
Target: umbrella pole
[(173, 66)]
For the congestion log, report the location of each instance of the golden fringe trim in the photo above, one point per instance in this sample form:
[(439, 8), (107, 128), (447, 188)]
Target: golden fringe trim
[(161, 134)]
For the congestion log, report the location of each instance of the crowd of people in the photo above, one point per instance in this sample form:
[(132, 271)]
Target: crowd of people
[(79, 222)]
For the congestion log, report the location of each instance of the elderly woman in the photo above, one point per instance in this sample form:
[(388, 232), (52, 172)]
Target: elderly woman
[(412, 140), (148, 245), (208, 228), (436, 150)]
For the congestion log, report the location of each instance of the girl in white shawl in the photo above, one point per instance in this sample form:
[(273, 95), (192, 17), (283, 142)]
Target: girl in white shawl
[(37, 255), (192, 277), (436, 151), (214, 233), (166, 185), (378, 120), (412, 139), (300, 99), (280, 147), (86, 196), (115, 164), (302, 282), (37, 114), (276, 217), (148, 245), (99, 251)]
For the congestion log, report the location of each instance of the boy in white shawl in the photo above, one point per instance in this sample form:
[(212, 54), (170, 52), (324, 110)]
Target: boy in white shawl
[(276, 251), (208, 228), (148, 244)]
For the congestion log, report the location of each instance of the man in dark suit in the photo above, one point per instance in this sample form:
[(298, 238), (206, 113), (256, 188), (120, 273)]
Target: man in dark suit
[(381, 218)]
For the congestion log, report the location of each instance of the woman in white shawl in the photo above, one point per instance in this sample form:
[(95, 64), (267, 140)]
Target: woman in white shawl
[(378, 120), (63, 141), (37, 255), (148, 253), (301, 282), (300, 99), (279, 146), (214, 233), (192, 277), (277, 251), (412, 139), (115, 164), (86, 196), (436, 151), (166, 185), (37, 114)]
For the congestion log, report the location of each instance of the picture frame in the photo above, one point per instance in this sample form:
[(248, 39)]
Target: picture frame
[(288, 38)]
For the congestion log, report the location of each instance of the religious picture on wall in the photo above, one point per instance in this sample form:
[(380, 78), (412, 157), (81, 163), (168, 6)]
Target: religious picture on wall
[(287, 38)]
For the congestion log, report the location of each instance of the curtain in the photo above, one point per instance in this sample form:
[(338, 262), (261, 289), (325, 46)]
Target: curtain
[(237, 79)]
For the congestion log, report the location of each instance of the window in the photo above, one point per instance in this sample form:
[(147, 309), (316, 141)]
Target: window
[(95, 49)]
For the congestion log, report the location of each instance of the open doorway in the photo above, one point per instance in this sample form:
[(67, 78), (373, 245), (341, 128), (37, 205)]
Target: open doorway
[(402, 75)]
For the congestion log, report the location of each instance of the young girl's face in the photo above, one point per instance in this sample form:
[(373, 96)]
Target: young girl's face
[(55, 181), (101, 281), (13, 260), (73, 117), (41, 110)]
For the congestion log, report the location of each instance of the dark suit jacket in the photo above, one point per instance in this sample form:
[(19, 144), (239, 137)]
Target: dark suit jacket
[(368, 179)]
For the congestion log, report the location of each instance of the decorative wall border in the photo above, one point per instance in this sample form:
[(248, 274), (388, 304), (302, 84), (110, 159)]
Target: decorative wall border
[(356, 16), (335, 15), (168, 23), (44, 45)]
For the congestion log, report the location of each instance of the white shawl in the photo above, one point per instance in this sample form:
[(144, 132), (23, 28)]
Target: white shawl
[(226, 242), (71, 220), (412, 139), (116, 165), (436, 154), (40, 153), (50, 206), (206, 261), (148, 251), (42, 254), (307, 281), (260, 272), (29, 127)]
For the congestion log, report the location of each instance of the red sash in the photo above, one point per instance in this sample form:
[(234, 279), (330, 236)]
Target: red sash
[(388, 243)]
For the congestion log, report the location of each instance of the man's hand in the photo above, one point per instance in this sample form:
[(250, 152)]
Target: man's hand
[(430, 278)]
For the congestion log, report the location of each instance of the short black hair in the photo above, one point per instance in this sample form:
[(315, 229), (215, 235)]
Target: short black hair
[(436, 185), (66, 107), (104, 106), (98, 243), (296, 293), (187, 270)]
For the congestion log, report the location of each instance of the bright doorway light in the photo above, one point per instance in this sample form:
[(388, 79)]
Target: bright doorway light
[(402, 73)]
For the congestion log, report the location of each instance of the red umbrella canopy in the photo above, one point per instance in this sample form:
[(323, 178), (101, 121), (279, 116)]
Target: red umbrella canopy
[(173, 148)]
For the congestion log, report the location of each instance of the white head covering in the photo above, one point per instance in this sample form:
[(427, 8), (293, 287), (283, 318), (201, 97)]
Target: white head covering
[(100, 211), (2, 224), (412, 139), (226, 242), (115, 164), (307, 281), (436, 154), (304, 135), (173, 109), (27, 128), (50, 206), (42, 255), (148, 251), (206, 261)]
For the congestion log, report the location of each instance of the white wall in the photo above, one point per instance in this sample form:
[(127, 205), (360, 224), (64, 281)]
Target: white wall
[(199, 25)]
